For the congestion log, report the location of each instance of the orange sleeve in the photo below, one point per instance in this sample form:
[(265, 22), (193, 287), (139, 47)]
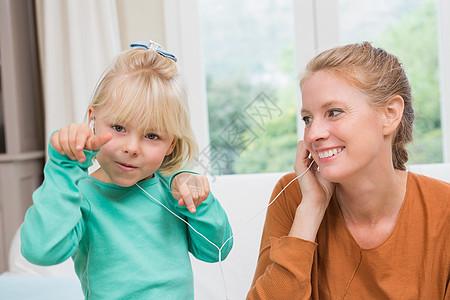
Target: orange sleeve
[(284, 264)]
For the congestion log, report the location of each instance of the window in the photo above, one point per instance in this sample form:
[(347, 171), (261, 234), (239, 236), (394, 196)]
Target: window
[(408, 29), (253, 51), (248, 52)]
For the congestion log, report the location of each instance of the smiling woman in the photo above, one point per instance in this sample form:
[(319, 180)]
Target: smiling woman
[(361, 227), (374, 76)]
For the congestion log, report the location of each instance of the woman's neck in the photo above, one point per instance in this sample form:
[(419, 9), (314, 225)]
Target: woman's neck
[(371, 199)]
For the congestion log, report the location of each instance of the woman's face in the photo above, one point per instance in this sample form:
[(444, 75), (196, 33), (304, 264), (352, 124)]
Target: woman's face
[(342, 131)]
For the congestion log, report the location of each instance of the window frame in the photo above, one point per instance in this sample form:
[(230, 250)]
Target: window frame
[(316, 29), (182, 36), (443, 7)]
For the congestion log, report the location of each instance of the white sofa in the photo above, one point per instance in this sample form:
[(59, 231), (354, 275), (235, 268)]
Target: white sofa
[(244, 197)]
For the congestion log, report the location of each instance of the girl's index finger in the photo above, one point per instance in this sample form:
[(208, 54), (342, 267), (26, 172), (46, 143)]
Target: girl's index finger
[(96, 142), (187, 197)]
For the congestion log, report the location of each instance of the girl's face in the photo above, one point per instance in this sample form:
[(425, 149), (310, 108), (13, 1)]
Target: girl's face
[(131, 155), (342, 131)]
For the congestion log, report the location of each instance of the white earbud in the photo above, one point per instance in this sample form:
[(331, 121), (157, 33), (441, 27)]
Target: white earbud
[(91, 125)]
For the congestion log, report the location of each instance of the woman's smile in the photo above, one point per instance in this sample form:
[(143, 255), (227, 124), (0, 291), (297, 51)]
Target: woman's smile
[(329, 153)]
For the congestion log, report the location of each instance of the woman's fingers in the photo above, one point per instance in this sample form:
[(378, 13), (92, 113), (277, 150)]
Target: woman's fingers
[(303, 158)]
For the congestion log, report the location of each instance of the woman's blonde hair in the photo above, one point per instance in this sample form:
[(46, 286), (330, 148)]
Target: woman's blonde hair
[(379, 75), (144, 87)]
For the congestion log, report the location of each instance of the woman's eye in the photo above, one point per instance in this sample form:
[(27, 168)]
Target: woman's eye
[(334, 112), (118, 128), (151, 136), (307, 120)]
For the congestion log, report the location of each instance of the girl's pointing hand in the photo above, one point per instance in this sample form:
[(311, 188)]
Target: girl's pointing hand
[(72, 139)]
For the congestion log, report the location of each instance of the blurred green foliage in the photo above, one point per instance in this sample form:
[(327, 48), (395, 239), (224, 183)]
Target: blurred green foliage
[(414, 40), (272, 147)]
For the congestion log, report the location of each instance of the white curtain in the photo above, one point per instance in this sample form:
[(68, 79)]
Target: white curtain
[(77, 41)]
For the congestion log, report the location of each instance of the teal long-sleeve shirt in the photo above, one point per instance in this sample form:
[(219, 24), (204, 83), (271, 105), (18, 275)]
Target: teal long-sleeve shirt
[(124, 244)]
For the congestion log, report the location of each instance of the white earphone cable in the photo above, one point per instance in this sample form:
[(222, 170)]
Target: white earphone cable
[(232, 236)]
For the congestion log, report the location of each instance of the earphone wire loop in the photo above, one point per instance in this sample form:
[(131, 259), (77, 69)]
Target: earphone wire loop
[(267, 206), (233, 235)]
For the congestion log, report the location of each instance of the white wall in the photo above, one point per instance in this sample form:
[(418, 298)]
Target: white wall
[(141, 20)]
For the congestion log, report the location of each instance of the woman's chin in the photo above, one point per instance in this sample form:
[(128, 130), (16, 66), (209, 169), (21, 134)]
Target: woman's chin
[(331, 175)]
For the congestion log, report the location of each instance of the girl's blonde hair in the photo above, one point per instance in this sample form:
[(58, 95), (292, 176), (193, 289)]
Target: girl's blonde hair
[(143, 86), (379, 75)]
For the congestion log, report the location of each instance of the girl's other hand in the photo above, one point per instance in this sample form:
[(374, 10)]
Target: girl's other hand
[(72, 139), (190, 190)]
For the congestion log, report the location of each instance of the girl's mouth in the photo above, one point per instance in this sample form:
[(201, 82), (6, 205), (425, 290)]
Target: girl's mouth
[(126, 166)]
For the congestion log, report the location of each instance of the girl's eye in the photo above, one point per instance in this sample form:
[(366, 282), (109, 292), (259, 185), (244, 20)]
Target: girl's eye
[(151, 136), (118, 128), (307, 120), (334, 112)]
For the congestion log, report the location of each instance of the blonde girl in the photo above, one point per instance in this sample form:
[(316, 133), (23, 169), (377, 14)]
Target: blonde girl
[(117, 223)]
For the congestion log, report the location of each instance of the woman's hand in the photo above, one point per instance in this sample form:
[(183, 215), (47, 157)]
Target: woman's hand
[(190, 190), (316, 195), (313, 186), (72, 139)]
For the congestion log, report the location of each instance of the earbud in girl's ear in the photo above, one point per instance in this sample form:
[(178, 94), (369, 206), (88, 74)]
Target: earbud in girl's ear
[(91, 125)]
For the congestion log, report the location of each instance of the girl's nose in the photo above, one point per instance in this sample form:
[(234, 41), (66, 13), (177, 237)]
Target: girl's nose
[(131, 145)]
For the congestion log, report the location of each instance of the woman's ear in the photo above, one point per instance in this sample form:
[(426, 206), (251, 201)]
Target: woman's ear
[(172, 146), (393, 113)]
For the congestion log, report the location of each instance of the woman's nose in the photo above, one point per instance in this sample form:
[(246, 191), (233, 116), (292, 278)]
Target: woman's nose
[(316, 131)]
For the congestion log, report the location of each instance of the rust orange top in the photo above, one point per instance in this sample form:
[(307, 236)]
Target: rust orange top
[(412, 263)]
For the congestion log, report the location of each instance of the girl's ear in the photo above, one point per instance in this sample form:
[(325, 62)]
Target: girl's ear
[(172, 146), (91, 119), (90, 114), (393, 113)]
